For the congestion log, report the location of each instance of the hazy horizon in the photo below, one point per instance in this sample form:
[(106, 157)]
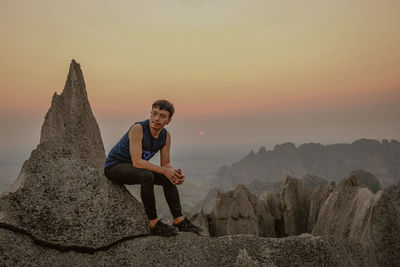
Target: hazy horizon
[(246, 74)]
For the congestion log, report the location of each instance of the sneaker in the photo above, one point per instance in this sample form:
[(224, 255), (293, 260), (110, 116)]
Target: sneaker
[(187, 226), (163, 229)]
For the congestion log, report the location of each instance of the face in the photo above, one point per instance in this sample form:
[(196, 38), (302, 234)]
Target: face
[(159, 118)]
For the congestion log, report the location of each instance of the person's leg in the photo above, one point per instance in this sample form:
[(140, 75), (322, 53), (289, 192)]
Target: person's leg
[(125, 173), (171, 196)]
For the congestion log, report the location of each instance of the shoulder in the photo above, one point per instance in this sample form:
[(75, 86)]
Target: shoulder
[(165, 133), (167, 136), (135, 129)]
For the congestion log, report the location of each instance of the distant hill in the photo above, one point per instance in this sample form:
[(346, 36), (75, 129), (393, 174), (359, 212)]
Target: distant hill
[(333, 162)]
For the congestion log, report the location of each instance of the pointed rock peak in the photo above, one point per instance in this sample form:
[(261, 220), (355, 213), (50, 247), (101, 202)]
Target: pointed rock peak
[(287, 179), (75, 83), (70, 126), (61, 197)]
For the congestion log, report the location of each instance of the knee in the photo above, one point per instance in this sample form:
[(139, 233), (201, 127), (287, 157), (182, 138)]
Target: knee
[(147, 178), (168, 184)]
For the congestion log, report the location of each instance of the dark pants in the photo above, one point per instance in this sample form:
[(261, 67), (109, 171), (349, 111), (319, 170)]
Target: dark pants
[(125, 173)]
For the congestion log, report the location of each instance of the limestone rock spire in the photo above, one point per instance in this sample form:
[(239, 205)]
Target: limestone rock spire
[(70, 126), (61, 197)]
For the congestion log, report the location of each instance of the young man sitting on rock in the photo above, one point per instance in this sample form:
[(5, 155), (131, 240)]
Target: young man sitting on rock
[(127, 163)]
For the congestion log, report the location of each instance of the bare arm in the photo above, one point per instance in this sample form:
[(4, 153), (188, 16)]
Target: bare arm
[(166, 162), (135, 148), (165, 156)]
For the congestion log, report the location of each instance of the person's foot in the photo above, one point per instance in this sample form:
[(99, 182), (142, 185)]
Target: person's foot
[(187, 226), (163, 229)]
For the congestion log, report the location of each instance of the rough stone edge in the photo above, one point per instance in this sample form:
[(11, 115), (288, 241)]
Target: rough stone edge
[(62, 248)]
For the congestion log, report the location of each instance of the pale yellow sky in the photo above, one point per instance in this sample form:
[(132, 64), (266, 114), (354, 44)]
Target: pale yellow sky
[(285, 70)]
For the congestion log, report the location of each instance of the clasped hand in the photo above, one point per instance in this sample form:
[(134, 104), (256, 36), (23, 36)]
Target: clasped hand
[(175, 176)]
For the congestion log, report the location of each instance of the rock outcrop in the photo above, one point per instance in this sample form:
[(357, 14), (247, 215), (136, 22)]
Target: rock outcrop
[(235, 212), (69, 127), (296, 206), (354, 212), (61, 197), (271, 223), (317, 199), (241, 212)]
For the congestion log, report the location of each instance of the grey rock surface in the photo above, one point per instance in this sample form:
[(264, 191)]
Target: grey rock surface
[(296, 206), (317, 199), (244, 260), (200, 219), (70, 126), (235, 212), (354, 212), (189, 249), (271, 219), (61, 196), (394, 193)]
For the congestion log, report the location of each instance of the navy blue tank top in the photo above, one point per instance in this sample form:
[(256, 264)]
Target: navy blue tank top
[(150, 146)]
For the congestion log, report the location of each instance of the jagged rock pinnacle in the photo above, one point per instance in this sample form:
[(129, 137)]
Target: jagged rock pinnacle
[(75, 83), (70, 126), (61, 197)]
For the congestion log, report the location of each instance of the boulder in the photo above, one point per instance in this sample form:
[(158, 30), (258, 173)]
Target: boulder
[(61, 196)]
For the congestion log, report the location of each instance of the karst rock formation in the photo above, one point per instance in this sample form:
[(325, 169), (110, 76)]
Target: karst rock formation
[(62, 211), (353, 211), (61, 196)]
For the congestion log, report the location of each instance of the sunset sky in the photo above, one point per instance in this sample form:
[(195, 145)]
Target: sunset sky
[(247, 73)]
